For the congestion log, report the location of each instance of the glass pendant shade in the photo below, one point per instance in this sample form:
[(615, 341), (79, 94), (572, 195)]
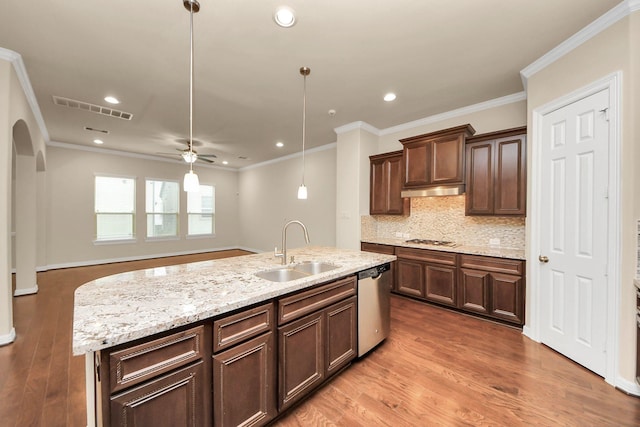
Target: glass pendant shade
[(191, 182), (302, 192)]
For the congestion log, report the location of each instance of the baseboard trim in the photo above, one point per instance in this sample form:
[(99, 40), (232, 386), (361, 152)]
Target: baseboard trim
[(8, 338), (629, 387), (26, 291)]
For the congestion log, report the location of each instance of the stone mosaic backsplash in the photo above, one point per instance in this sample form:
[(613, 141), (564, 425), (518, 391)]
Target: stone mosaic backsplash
[(443, 218)]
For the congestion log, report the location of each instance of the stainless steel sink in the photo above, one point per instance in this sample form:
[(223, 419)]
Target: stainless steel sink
[(305, 269), (282, 274), (314, 267)]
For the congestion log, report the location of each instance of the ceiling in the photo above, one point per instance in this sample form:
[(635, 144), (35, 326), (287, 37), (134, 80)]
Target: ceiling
[(436, 55)]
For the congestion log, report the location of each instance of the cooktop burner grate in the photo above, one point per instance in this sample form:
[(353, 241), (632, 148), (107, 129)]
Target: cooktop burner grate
[(431, 242)]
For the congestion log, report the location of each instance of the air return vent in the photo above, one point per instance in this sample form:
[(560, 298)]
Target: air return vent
[(98, 109)]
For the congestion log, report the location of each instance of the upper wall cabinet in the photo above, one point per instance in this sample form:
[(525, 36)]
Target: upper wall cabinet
[(386, 185), (496, 173), (436, 158)]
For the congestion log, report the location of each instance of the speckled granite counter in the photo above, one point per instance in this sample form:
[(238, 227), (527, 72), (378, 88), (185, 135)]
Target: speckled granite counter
[(497, 252), (127, 306)]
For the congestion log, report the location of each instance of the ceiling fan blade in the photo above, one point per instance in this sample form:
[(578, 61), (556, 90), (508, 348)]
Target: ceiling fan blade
[(205, 159), (207, 155)]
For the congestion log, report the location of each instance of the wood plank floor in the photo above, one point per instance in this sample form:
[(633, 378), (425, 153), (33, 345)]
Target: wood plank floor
[(436, 368)]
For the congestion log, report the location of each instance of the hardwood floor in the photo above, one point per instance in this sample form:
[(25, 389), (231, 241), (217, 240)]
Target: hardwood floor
[(436, 368)]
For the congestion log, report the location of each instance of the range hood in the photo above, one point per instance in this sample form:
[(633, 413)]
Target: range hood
[(442, 190)]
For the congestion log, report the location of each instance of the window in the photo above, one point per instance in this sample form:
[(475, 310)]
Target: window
[(114, 207), (162, 205), (201, 208)]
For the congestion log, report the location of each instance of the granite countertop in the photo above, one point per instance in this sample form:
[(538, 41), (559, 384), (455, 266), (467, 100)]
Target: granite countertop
[(493, 251), (116, 309)]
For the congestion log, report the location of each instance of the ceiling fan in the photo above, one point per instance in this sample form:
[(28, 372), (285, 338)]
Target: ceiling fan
[(190, 155)]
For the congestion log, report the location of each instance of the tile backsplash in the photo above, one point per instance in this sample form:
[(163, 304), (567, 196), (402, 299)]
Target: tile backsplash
[(443, 218)]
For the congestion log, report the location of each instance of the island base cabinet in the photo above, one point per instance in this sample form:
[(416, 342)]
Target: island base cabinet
[(342, 335), (301, 348), (171, 400), (244, 384)]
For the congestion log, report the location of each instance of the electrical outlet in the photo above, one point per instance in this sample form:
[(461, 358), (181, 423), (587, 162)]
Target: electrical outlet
[(494, 242)]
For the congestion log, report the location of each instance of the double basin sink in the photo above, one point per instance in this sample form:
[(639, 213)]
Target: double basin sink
[(297, 271)]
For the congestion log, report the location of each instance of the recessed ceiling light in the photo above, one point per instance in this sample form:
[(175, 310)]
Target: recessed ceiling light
[(98, 141), (279, 144), (390, 97), (284, 17), (224, 162), (111, 100)]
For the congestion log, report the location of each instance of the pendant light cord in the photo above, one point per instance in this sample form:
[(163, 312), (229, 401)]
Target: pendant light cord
[(304, 121), (191, 86)]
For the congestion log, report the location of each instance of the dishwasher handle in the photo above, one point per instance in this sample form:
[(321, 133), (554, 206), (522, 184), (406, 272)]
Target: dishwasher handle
[(374, 272)]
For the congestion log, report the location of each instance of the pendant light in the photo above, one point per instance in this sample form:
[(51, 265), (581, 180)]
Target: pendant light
[(191, 182), (304, 71)]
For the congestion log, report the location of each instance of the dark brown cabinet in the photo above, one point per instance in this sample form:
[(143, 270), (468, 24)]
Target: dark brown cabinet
[(436, 158), (159, 381), (244, 373), (317, 336), (383, 249), (386, 185), (496, 173), (172, 400), (427, 274), (493, 287)]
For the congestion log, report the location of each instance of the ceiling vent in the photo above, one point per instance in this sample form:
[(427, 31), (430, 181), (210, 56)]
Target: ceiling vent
[(96, 130), (98, 109)]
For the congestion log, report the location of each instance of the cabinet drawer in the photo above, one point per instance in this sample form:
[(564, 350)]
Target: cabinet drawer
[(377, 248), (241, 326), (141, 362), (498, 265), (298, 305), (426, 255)]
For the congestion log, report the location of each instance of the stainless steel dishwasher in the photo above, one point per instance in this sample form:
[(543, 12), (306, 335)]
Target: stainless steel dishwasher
[(374, 317)]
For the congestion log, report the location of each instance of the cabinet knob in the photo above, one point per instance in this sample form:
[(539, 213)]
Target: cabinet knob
[(543, 258)]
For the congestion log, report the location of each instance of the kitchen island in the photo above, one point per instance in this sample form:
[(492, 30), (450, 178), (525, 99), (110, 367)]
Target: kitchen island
[(156, 340)]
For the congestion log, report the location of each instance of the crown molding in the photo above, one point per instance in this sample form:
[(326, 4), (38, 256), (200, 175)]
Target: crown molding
[(290, 156), (620, 11), (100, 150), (357, 126), (18, 65), (493, 103)]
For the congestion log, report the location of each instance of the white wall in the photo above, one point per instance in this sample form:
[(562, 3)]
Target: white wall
[(268, 198), (70, 207)]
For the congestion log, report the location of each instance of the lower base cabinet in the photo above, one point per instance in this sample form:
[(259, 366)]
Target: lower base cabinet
[(427, 274), (315, 347), (172, 400), (244, 379)]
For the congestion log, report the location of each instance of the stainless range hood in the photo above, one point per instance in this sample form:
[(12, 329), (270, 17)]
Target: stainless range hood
[(442, 190)]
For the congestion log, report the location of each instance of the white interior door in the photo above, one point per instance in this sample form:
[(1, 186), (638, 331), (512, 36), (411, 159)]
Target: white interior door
[(573, 240)]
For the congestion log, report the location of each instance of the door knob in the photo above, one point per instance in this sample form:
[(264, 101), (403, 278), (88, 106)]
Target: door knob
[(543, 258)]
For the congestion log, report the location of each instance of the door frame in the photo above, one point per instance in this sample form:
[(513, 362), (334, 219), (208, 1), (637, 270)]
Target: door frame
[(613, 82)]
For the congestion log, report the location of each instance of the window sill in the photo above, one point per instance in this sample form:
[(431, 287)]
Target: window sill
[(201, 236), (115, 241)]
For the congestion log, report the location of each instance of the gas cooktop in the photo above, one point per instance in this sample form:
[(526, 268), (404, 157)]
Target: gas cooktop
[(431, 242)]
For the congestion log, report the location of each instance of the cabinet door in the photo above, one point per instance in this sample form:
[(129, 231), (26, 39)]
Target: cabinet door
[(447, 160), (379, 188), (479, 191), (473, 290), (342, 335), (301, 358), (172, 400), (417, 156), (244, 381), (507, 297), (410, 278), (510, 177), (440, 284), (396, 205)]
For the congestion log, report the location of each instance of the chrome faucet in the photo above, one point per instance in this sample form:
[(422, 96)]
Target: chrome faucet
[(283, 254)]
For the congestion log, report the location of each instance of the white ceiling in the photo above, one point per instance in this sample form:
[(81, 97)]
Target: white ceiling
[(437, 55)]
